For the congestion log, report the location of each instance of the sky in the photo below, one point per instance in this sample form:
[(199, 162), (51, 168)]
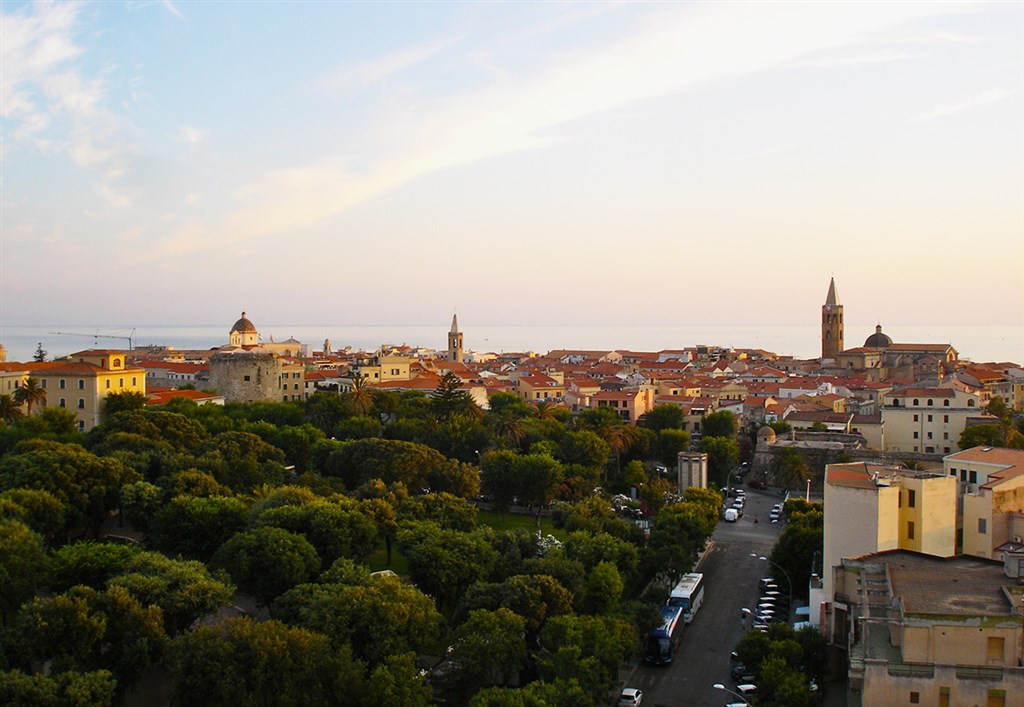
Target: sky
[(519, 163)]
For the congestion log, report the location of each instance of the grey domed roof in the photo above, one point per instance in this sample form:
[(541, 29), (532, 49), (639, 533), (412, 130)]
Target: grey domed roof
[(878, 340), (243, 325)]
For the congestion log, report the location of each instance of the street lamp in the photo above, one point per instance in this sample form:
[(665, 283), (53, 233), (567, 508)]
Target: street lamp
[(723, 688), (789, 582)]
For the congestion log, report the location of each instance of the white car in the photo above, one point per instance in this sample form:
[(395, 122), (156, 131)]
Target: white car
[(631, 697)]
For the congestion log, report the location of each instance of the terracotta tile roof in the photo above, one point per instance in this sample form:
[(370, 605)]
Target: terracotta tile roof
[(993, 455), (159, 396)]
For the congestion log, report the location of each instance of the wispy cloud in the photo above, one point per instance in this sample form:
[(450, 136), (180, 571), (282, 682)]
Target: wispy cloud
[(980, 99), (42, 85), (190, 135), (370, 72), (672, 51), (169, 6)]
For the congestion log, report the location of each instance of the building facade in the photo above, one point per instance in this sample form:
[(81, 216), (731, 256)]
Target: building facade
[(81, 381)]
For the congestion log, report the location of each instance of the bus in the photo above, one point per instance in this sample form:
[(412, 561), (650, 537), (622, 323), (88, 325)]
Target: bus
[(689, 594), (663, 641)]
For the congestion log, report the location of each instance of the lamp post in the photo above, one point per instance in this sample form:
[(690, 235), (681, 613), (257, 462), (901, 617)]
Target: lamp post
[(723, 688), (789, 582)]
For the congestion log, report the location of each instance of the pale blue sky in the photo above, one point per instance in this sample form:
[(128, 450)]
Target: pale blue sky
[(552, 163)]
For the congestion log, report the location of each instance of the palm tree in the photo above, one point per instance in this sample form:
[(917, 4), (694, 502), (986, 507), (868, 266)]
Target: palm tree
[(29, 393), (361, 398), (10, 409)]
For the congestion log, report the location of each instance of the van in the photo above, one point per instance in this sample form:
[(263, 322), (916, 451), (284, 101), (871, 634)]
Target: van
[(731, 514)]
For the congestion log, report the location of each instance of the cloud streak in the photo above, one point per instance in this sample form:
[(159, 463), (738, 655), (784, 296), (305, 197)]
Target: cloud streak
[(975, 101), (671, 52)]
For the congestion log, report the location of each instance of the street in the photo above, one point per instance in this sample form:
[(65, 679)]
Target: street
[(730, 577)]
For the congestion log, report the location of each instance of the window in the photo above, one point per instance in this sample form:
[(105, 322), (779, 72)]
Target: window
[(915, 698), (135, 380), (945, 418), (916, 416), (995, 648), (973, 477), (61, 384), (929, 418), (945, 435), (916, 434), (117, 363), (946, 450), (911, 498), (929, 435), (81, 425), (17, 384), (81, 404), (982, 526), (952, 472), (81, 385), (63, 403), (963, 475), (108, 384), (120, 382), (970, 403), (246, 378), (930, 402), (916, 402), (945, 403), (910, 530), (943, 697)]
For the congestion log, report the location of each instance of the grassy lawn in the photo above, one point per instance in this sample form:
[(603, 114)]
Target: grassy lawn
[(400, 565), (515, 520)]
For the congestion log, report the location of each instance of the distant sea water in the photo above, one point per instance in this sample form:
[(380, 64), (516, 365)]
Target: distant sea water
[(976, 343)]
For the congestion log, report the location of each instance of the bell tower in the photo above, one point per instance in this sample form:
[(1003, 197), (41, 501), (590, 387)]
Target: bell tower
[(455, 341), (831, 323)]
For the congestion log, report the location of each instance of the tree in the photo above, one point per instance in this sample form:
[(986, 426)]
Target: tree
[(723, 454), (127, 400), (10, 409), (88, 563), (448, 511), (84, 630), (1001, 435), (536, 598), (560, 693), (240, 661), (184, 590), (398, 682), (22, 566), (719, 424), (447, 400), (378, 616), (139, 502), (30, 393), (586, 649), (88, 486), (91, 689), (195, 527), (794, 551), (603, 590), (489, 648), (678, 535), (39, 510), (537, 480), (242, 461), (498, 478), (359, 400), (669, 443), (40, 354), (445, 562), (586, 448), (663, 417), (791, 470), (268, 561), (334, 529)]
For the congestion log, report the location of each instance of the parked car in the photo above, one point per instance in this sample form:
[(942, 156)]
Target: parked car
[(757, 484), (731, 515), (631, 697)]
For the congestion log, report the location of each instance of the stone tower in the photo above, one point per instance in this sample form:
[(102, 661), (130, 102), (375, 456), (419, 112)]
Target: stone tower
[(455, 341), (244, 333), (831, 323)]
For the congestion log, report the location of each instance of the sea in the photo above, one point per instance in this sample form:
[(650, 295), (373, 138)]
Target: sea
[(975, 343)]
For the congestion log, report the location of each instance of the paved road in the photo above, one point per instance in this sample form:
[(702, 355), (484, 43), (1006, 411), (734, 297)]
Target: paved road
[(730, 576)]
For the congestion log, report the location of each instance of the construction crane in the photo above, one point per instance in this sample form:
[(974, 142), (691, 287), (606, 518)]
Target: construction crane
[(98, 335)]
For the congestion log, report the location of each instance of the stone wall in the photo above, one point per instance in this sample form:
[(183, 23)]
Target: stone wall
[(246, 376)]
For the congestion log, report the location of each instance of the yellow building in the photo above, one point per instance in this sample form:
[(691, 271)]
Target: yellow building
[(991, 486), (930, 631), (871, 508), (927, 420), (81, 381)]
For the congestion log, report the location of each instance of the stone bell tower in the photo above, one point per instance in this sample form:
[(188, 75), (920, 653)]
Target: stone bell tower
[(831, 323)]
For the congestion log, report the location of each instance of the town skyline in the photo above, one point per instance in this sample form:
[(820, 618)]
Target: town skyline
[(641, 164)]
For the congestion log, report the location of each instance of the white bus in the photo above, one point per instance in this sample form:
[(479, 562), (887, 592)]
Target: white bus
[(689, 594)]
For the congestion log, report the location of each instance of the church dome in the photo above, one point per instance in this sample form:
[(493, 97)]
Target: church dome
[(878, 340), (243, 325)]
